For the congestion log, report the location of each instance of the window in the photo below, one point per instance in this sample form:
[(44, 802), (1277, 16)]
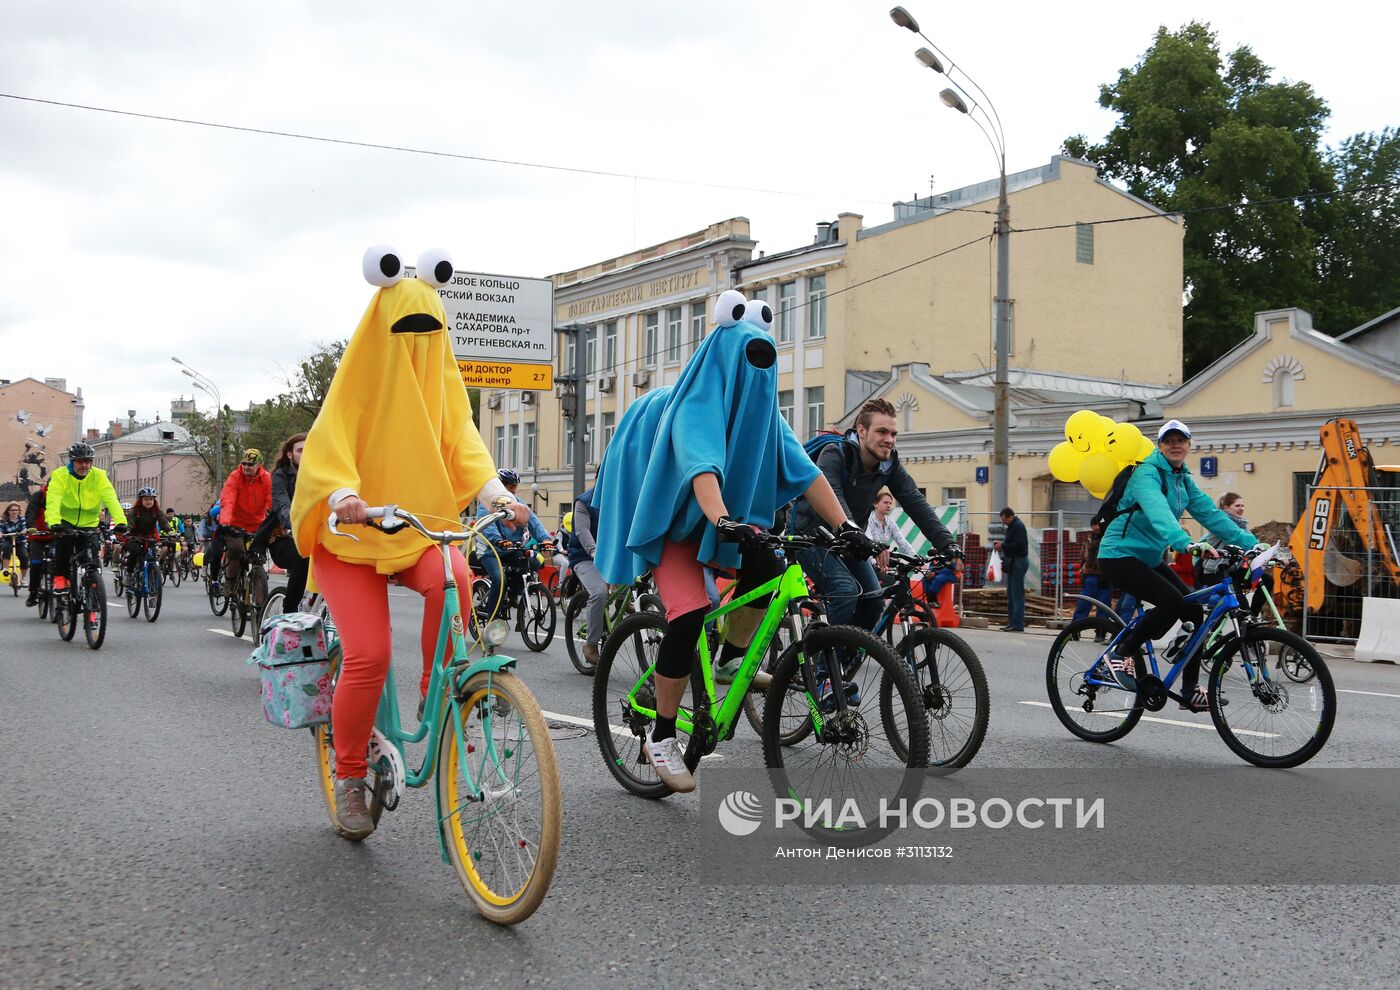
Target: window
[(816, 408), (1084, 243), (673, 335), (1283, 388), (610, 346), (569, 351), (785, 406), (568, 443), (697, 326), (500, 446), (590, 350), (588, 457), (787, 311), (952, 494), (649, 340), (1302, 481), (816, 307), (513, 447), (609, 428), (530, 448)]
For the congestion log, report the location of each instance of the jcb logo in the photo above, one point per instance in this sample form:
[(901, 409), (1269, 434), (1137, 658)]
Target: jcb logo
[(1317, 537)]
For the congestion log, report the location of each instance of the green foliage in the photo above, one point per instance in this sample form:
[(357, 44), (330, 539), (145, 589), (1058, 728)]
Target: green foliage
[(1199, 130)]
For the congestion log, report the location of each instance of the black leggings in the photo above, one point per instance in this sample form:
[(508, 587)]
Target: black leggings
[(676, 653), (1160, 586)]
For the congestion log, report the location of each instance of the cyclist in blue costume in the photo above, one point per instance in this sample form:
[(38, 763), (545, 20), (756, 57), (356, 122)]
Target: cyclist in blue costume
[(707, 459)]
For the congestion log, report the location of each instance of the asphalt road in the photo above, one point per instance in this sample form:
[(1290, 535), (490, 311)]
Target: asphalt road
[(157, 832)]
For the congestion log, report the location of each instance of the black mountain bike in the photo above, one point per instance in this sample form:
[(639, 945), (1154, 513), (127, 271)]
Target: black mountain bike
[(84, 601)]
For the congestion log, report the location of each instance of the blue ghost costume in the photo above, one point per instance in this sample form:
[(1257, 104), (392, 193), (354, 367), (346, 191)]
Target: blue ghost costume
[(721, 417)]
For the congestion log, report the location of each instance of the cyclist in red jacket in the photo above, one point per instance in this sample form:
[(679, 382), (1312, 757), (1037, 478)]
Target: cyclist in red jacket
[(246, 499)]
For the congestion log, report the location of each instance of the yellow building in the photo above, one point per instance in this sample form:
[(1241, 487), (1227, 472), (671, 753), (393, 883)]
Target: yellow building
[(859, 300)]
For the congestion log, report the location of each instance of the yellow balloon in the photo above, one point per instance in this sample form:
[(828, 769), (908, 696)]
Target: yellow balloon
[(1102, 494), (1064, 462), (1147, 449), (1081, 429), (1122, 442), (1096, 473)]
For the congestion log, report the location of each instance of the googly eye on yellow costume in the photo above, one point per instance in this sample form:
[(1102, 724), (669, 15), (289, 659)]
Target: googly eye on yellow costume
[(396, 428)]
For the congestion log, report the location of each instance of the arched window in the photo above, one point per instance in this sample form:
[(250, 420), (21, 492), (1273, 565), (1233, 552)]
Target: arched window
[(1282, 372)]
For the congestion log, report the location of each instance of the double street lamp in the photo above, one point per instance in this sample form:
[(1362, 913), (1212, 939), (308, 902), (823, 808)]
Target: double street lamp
[(957, 97), (208, 387)]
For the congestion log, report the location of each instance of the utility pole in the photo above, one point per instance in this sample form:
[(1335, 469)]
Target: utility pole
[(1001, 441), (576, 407)]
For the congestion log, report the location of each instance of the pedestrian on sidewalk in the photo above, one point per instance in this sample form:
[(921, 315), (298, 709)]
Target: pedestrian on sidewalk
[(1015, 557)]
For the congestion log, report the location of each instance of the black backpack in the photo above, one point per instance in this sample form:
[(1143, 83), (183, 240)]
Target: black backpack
[(1109, 510)]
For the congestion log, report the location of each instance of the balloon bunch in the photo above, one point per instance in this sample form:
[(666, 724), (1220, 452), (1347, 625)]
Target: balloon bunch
[(1095, 449)]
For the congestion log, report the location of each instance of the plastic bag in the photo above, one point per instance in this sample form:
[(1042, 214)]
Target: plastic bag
[(994, 567)]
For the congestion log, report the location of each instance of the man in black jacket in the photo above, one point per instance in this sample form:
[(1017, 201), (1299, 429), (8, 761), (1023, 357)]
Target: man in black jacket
[(858, 467), (1015, 559)]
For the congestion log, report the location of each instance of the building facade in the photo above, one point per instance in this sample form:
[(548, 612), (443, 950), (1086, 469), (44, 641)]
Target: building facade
[(643, 315), (39, 421)]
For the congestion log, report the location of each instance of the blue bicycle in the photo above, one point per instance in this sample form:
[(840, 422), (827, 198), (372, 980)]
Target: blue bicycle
[(144, 587), (1263, 718)]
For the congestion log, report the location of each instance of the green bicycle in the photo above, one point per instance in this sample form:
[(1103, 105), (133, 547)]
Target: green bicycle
[(837, 698), (623, 599), (499, 807)]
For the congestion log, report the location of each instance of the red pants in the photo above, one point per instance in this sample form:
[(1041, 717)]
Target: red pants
[(358, 597)]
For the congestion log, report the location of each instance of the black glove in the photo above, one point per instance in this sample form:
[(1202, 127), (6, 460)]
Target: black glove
[(732, 530), (851, 539), (954, 552), (121, 527), (61, 527)]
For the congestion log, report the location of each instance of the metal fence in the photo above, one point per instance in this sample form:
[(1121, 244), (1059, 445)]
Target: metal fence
[(1350, 556)]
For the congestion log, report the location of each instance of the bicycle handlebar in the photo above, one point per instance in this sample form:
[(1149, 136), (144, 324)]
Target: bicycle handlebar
[(392, 519)]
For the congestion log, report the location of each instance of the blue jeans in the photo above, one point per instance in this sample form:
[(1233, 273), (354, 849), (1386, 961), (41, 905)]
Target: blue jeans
[(937, 582), (839, 582), (1015, 568), (1094, 587)]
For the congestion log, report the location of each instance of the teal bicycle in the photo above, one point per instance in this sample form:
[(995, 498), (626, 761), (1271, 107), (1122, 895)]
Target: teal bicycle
[(499, 807), (838, 701)]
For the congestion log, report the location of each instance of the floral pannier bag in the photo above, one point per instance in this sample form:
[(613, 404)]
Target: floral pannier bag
[(295, 668)]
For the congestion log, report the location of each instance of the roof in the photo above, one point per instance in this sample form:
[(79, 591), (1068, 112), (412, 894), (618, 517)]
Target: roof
[(1381, 320), (1299, 329), (154, 434)]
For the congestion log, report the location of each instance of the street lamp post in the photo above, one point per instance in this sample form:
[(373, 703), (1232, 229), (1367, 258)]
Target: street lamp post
[(958, 98), (208, 387)]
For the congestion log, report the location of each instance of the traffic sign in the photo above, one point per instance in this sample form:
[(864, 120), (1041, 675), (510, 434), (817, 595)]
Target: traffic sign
[(506, 374), (499, 317)]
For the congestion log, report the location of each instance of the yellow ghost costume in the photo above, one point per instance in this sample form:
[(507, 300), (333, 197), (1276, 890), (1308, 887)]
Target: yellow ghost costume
[(396, 428)]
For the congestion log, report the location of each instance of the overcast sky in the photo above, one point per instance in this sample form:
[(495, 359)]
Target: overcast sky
[(126, 241)]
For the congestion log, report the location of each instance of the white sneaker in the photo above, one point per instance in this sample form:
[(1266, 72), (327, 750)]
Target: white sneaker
[(668, 760)]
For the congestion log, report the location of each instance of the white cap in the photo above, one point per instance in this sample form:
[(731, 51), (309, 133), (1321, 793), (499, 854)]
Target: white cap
[(1169, 426)]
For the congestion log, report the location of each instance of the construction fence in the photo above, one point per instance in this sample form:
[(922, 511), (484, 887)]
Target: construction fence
[(1350, 556)]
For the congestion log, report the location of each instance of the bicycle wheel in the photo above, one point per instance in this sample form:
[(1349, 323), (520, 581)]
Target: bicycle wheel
[(538, 617), (1096, 708), (218, 603), (629, 652), (576, 632), (66, 609), (1269, 722), (650, 603), (275, 604), (133, 601), (175, 577), (154, 593), (499, 801), (849, 760), (94, 611), (257, 587), (237, 606), (1295, 666), (954, 689), (754, 702), (324, 744), (45, 597), (118, 586)]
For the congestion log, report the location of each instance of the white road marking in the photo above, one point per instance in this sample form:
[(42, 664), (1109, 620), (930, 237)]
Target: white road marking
[(1373, 694), (1163, 721), (223, 632)]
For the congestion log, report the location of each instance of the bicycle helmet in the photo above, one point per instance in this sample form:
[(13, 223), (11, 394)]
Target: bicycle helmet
[(147, 492), (81, 451), (508, 477), (252, 456)]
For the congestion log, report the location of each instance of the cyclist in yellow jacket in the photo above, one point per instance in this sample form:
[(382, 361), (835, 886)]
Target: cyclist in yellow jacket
[(76, 495)]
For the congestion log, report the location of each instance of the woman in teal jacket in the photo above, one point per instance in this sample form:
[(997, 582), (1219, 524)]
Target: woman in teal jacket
[(1148, 525)]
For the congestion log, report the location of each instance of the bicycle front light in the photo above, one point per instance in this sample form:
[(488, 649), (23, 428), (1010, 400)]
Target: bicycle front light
[(496, 631)]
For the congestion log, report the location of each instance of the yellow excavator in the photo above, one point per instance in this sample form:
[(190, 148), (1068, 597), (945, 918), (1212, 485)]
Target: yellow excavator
[(1341, 524)]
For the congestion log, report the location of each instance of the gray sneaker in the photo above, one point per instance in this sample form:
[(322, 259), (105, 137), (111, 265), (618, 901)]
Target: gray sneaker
[(591, 653), (724, 674), (353, 820)]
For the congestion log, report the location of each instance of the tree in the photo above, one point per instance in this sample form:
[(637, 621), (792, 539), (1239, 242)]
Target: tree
[(1197, 131)]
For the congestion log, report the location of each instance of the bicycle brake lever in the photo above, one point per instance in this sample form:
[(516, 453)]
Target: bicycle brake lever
[(330, 523)]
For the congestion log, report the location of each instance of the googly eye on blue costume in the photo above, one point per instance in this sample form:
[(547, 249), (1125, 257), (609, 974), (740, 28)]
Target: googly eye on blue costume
[(720, 417)]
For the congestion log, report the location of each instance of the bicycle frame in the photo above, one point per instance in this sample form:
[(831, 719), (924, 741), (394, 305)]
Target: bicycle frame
[(789, 590), (458, 670), (1222, 601)]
